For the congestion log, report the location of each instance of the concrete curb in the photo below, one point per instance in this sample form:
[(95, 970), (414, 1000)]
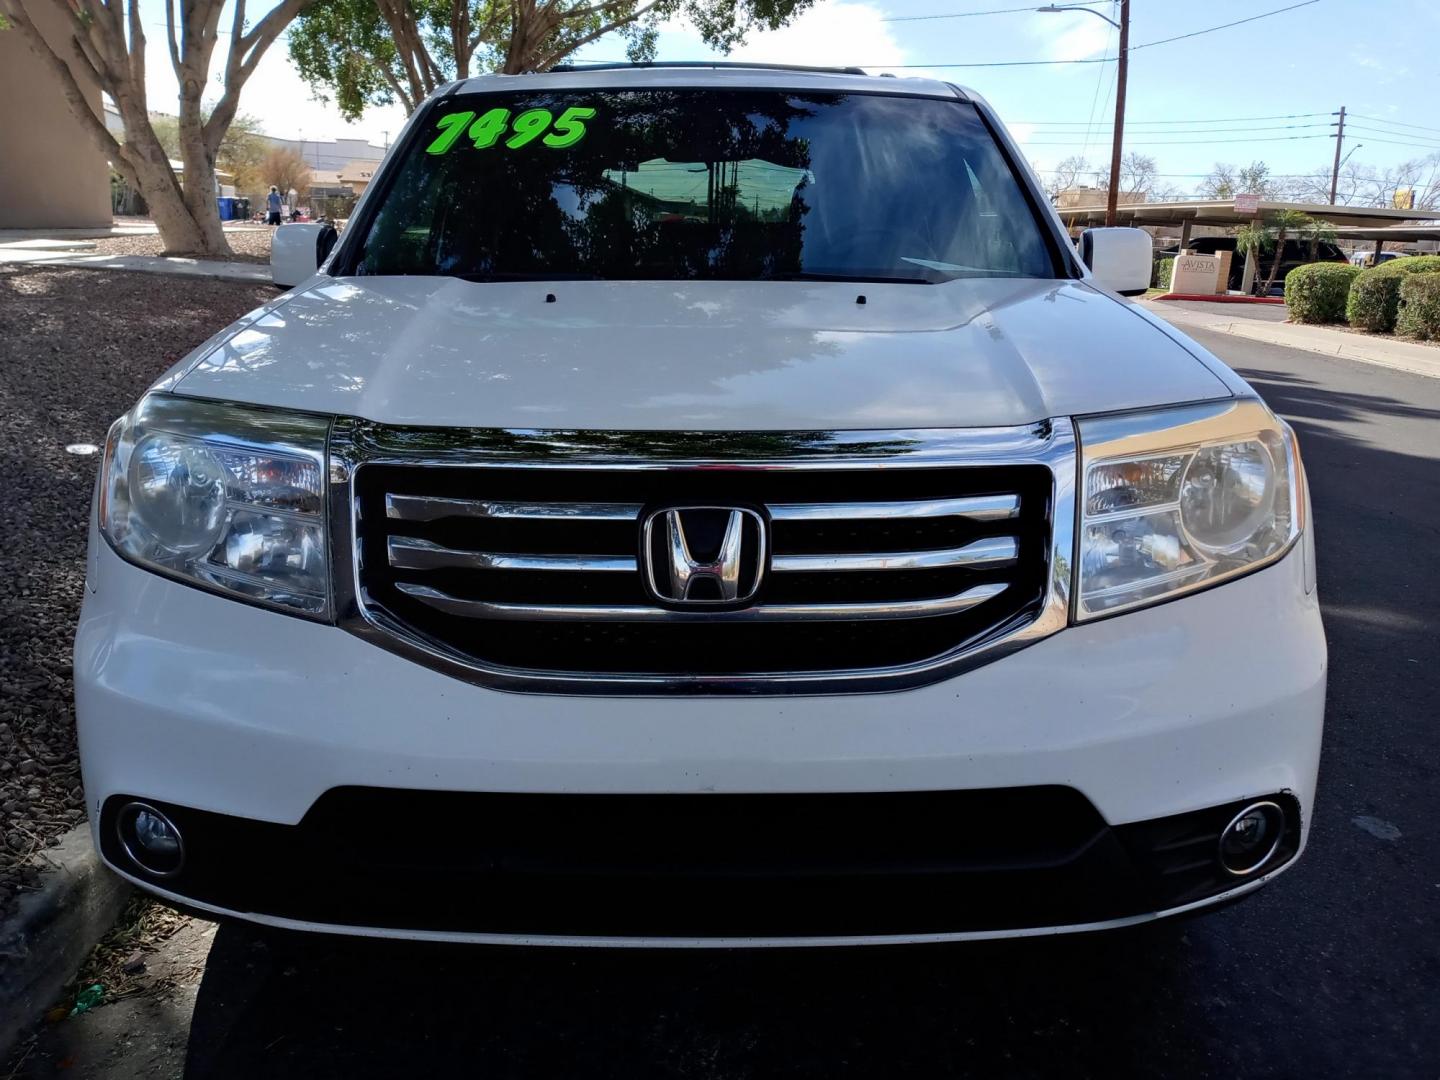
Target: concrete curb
[(1399, 355), (258, 273), (52, 930)]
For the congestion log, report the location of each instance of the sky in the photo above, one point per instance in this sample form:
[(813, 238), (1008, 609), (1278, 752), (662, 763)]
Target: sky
[(1291, 70)]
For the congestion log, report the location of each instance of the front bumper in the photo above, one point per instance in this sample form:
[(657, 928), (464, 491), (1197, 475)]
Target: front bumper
[(208, 705)]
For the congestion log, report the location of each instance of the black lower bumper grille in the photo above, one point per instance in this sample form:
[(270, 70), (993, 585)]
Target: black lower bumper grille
[(698, 865)]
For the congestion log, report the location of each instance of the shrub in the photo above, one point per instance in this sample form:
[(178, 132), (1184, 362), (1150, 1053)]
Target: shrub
[(1164, 268), (1419, 314), (1316, 293), (1374, 300)]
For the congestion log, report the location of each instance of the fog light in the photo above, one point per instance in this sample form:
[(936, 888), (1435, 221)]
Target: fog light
[(1251, 838), (150, 839)]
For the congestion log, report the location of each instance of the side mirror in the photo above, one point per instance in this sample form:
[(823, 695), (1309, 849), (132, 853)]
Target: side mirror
[(1119, 258), (297, 251)]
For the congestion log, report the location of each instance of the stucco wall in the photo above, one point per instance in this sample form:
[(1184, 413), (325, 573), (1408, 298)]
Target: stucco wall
[(52, 175)]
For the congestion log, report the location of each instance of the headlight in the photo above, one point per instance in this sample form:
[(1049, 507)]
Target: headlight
[(1176, 500), (229, 497)]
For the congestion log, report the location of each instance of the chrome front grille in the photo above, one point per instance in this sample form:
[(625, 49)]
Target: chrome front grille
[(417, 553), (880, 569)]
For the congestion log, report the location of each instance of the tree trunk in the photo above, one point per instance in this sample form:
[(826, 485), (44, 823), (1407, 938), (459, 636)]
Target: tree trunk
[(1275, 263), (106, 46)]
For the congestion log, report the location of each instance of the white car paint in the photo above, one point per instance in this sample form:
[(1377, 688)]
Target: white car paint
[(707, 355), (187, 697)]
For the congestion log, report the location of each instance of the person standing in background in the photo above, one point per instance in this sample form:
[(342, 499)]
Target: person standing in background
[(272, 206)]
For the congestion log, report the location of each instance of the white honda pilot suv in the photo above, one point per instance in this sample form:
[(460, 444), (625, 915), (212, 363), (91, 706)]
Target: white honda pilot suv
[(701, 505)]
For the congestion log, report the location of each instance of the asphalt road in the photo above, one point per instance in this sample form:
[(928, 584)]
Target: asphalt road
[(1332, 971)]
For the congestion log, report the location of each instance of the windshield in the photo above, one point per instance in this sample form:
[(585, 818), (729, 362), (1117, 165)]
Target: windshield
[(690, 184)]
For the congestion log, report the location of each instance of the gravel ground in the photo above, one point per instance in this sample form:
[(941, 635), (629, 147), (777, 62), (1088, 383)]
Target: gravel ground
[(249, 245), (77, 347)]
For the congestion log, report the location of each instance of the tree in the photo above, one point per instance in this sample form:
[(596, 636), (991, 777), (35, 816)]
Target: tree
[(241, 150), (284, 168), (1220, 184), (1252, 239), (1138, 174), (375, 52), (1420, 176), (1280, 224), (106, 45), (1272, 234), (1364, 185), (1226, 181), (1317, 232), (1067, 175)]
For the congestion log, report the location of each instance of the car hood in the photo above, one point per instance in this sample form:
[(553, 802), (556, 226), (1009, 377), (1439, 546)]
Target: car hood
[(710, 355)]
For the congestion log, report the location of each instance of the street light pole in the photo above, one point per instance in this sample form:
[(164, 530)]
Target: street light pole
[(1112, 198)]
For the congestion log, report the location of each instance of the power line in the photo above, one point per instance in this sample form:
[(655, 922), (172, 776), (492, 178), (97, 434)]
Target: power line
[(1216, 120), (996, 63), (1433, 147), (993, 11), (1099, 59), (1225, 26), (1395, 123), (1206, 176), (1094, 99), (1199, 131), (1397, 134), (1193, 142)]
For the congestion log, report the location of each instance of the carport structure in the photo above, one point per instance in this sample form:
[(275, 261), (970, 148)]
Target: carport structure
[(1393, 234), (1378, 223)]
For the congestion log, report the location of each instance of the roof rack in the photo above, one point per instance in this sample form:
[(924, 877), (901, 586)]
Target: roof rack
[(707, 64)]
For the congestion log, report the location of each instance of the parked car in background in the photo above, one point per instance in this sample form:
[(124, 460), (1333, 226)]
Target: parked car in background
[(1367, 258), (701, 506), (1296, 253)]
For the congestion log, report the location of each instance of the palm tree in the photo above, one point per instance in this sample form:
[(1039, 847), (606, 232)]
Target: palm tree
[(1318, 232), (1284, 222), (1252, 239)]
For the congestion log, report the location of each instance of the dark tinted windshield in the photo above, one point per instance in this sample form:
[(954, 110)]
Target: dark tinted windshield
[(682, 184)]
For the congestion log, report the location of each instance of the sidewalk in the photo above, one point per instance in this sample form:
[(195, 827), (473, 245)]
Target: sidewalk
[(1407, 356), (27, 252)]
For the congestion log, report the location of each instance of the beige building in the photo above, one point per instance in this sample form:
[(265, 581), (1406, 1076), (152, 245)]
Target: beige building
[(52, 175), (356, 175)]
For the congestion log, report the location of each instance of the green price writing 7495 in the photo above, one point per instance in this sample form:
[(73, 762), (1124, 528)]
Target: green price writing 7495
[(565, 130)]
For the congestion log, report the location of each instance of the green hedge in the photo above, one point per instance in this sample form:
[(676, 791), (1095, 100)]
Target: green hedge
[(1374, 300), (1164, 268), (1419, 314), (1316, 293)]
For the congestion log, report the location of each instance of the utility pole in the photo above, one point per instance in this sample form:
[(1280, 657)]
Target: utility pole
[(1112, 200), (1335, 172)]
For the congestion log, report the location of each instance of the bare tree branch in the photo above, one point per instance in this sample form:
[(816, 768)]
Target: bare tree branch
[(170, 38), (555, 57), (19, 18)]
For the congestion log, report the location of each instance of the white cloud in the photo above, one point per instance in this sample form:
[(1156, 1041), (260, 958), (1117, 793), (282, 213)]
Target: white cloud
[(1390, 71), (1021, 133), (833, 32), (1072, 35)]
